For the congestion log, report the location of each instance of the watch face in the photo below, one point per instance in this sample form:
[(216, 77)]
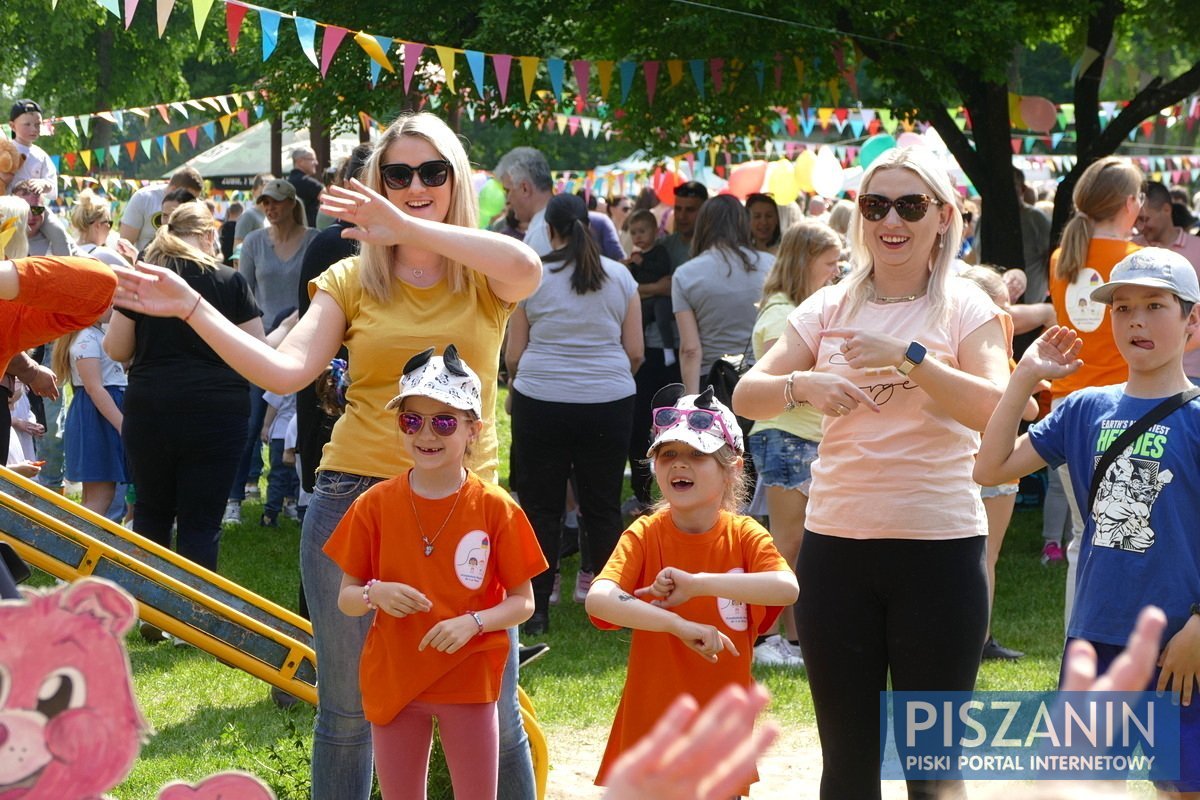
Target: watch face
[(915, 353)]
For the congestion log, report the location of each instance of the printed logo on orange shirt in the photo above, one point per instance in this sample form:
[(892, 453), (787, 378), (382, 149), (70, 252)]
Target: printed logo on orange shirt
[(471, 558), (733, 613)]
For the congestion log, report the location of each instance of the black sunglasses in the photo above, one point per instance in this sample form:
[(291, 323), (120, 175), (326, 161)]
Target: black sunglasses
[(37, 211), (910, 207), (400, 176), (157, 219)]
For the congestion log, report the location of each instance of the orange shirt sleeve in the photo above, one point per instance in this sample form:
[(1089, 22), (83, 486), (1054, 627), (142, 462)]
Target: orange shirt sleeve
[(761, 555), (519, 554), (353, 543), (626, 566), (56, 295)]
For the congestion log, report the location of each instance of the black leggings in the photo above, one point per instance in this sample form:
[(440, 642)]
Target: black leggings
[(915, 609)]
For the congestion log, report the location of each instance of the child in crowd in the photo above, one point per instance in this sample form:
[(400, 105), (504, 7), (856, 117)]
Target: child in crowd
[(93, 453), (446, 559), (650, 263), (692, 579), (1138, 545), (25, 427), (25, 120), (283, 483)]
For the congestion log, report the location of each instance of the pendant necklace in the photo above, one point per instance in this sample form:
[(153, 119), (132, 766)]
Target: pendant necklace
[(417, 517), (417, 273)]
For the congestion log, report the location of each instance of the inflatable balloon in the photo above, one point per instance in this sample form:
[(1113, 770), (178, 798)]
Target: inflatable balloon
[(781, 182), (746, 179), (1039, 114), (804, 167), (874, 147), (491, 201), (664, 182), (827, 173)]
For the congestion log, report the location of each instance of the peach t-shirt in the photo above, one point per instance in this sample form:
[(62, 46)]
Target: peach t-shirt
[(904, 473)]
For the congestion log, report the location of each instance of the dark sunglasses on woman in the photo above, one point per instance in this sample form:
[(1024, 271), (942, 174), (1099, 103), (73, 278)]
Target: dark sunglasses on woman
[(910, 207), (400, 176), (442, 424)]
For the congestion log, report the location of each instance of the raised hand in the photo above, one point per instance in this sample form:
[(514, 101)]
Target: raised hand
[(152, 290), (1055, 354), (373, 216)]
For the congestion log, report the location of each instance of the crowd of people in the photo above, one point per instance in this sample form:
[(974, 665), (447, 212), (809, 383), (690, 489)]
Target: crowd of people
[(873, 435)]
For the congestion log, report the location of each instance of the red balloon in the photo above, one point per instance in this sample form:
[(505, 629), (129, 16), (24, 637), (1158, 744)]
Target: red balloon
[(1039, 113), (747, 178), (664, 182)]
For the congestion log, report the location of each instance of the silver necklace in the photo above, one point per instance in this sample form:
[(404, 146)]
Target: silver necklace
[(417, 517)]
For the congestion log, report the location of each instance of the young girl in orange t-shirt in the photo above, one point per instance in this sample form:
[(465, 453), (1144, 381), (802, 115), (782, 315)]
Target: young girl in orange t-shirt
[(696, 581), (448, 559)]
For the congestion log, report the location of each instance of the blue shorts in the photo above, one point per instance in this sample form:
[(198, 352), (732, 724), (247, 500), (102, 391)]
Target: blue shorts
[(782, 459), (1189, 726)]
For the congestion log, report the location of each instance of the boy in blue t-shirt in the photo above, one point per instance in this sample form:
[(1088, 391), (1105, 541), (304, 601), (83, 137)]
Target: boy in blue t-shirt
[(1141, 543)]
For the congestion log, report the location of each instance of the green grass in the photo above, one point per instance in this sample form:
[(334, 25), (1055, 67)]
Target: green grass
[(208, 717)]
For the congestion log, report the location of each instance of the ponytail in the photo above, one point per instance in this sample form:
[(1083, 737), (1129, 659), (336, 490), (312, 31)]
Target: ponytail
[(189, 219), (1099, 196), (567, 216)]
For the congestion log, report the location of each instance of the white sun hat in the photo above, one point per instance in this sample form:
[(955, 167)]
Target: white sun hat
[(445, 378)]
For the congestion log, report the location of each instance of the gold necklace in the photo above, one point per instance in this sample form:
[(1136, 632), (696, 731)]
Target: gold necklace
[(417, 517), (908, 298)]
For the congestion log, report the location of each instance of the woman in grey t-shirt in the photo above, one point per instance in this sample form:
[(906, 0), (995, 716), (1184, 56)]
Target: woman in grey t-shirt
[(573, 347)]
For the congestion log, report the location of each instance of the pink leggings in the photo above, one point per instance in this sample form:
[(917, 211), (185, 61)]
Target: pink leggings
[(470, 739)]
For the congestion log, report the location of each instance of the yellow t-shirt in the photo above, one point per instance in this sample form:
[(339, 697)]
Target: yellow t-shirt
[(382, 337), (803, 421)]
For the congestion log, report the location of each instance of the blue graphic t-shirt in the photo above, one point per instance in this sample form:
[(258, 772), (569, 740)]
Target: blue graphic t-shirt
[(1141, 540)]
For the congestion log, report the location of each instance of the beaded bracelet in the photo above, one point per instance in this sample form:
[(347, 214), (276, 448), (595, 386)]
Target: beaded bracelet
[(367, 594)]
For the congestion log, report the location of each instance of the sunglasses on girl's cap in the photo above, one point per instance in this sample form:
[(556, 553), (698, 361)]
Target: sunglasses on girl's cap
[(910, 207), (400, 176), (442, 424), (697, 419)]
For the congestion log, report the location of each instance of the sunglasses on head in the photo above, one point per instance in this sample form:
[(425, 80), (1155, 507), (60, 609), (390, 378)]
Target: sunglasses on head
[(910, 207), (442, 424), (697, 419), (400, 176)]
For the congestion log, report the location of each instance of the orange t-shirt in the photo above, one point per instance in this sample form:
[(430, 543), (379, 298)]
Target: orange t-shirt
[(1073, 303), (55, 295), (486, 547), (660, 665)]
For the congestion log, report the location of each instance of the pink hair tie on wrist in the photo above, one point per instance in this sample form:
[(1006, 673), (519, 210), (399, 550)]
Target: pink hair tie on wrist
[(195, 305), (367, 594)]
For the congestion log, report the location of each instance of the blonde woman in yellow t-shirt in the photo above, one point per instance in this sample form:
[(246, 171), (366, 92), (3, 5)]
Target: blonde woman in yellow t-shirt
[(784, 447), (426, 276)]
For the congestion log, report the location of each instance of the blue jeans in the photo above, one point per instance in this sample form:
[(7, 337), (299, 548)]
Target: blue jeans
[(341, 761), (281, 482), (50, 446)]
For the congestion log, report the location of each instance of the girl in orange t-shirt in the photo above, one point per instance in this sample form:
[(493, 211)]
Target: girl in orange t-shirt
[(448, 559), (694, 577)]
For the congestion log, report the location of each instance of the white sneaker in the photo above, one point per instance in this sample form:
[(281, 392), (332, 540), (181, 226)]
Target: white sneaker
[(233, 513), (776, 652), (289, 509)]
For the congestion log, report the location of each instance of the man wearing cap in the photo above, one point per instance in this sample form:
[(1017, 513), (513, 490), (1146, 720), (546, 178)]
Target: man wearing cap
[(25, 119), (137, 221), (308, 188)]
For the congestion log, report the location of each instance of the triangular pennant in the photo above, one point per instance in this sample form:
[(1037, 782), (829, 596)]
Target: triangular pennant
[(163, 112), (130, 10), (269, 22), (200, 9), (446, 57), (573, 125), (118, 118), (234, 14), (71, 124), (306, 32), (110, 6), (86, 155), (716, 68), (193, 135), (181, 108), (697, 67), (412, 54), (210, 130), (212, 103), (377, 48), (244, 118), (85, 125), (583, 71), (147, 146), (604, 73), (529, 66), (675, 71), (71, 158), (237, 100), (100, 154), (330, 43), (627, 69), (502, 63), (555, 68), (175, 137), (561, 121), (651, 70), (131, 149), (475, 62), (225, 121)]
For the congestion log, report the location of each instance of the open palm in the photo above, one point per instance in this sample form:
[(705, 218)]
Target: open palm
[(1055, 354)]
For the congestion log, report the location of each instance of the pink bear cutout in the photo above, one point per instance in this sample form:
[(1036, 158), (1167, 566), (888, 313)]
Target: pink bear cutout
[(70, 727)]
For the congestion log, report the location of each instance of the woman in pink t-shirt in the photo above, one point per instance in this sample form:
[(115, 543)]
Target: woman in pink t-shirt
[(907, 366)]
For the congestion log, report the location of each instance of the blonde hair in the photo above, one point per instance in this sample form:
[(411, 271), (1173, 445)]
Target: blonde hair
[(839, 217), (988, 279), (1099, 196), (60, 359), (89, 209), (190, 219), (791, 273), (375, 261), (737, 487), (16, 209), (860, 287)]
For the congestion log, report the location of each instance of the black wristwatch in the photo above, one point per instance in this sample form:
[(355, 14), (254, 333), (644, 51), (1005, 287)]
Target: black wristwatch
[(1195, 610), (913, 356)]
